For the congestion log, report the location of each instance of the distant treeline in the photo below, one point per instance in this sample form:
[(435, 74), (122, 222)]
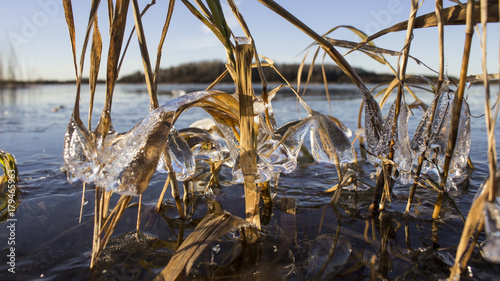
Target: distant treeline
[(208, 71)]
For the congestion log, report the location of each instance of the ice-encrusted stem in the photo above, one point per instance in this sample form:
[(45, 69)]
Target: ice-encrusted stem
[(457, 107), (248, 153)]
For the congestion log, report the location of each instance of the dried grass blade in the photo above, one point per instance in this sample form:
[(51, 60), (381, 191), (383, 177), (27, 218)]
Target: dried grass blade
[(205, 21), (170, 11), (115, 45), (110, 14), (148, 72), (475, 218), (205, 11), (208, 230), (371, 47), (245, 28), (68, 13), (118, 212), (440, 25), (327, 46), (248, 134), (490, 121), (472, 224), (130, 36), (457, 103), (299, 71), (455, 15), (325, 83), (310, 71), (96, 239), (95, 62)]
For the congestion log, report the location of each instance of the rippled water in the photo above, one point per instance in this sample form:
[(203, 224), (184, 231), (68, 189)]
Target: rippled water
[(320, 241)]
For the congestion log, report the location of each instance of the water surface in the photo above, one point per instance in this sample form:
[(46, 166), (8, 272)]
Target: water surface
[(52, 245)]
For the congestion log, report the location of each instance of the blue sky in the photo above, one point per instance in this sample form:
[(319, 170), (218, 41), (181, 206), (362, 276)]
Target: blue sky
[(36, 30)]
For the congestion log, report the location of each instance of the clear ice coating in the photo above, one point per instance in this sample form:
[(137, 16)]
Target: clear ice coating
[(329, 144), (491, 246), (203, 145), (374, 127), (231, 142), (282, 147), (264, 171), (458, 167), (123, 163), (435, 143), (79, 153), (129, 161), (181, 156), (402, 152)]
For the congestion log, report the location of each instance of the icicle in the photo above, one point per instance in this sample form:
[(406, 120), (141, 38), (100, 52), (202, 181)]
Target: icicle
[(374, 127), (80, 159), (402, 152), (282, 147), (181, 156), (203, 145), (438, 139), (231, 142), (329, 144), (458, 168)]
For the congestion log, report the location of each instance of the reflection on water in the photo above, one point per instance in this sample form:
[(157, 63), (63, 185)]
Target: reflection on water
[(316, 241)]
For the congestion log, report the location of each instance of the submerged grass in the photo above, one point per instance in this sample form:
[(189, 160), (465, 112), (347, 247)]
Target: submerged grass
[(256, 143)]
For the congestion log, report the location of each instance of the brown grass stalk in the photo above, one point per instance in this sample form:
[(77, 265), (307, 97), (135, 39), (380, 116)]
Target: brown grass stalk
[(455, 15), (170, 11), (475, 219), (148, 72), (440, 25), (95, 62), (325, 44), (248, 134), (457, 106), (401, 77), (115, 45)]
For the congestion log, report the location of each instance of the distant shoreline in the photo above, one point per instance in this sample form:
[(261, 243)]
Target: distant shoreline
[(208, 71)]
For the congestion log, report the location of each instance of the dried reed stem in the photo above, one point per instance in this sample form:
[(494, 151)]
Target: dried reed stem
[(170, 11), (325, 44), (148, 72), (401, 77), (440, 25), (457, 107), (248, 154), (117, 30), (95, 62), (439, 20), (475, 220)]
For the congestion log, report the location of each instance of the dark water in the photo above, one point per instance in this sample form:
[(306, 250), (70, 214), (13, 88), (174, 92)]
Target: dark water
[(50, 243)]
